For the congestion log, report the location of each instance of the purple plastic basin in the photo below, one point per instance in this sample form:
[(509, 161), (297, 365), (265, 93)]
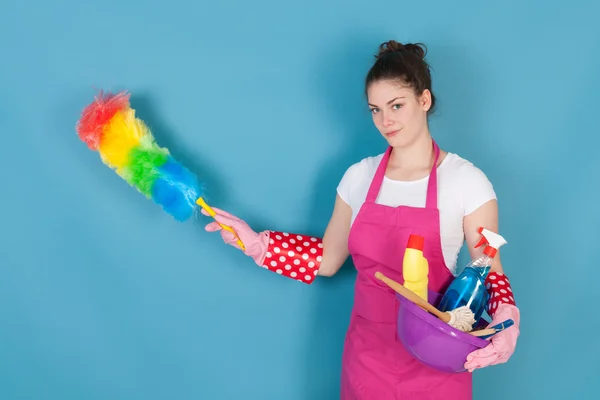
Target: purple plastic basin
[(432, 341)]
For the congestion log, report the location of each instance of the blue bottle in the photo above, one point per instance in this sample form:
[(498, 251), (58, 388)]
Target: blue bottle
[(468, 289)]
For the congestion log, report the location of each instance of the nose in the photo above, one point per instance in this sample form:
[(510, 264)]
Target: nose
[(386, 119)]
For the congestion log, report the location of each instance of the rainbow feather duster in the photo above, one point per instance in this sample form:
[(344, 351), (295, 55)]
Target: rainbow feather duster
[(125, 144)]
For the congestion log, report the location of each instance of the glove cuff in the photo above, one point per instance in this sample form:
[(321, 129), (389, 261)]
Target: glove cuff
[(500, 291), (294, 256)]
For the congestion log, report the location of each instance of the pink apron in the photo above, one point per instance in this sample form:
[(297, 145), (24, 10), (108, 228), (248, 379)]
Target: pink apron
[(375, 364)]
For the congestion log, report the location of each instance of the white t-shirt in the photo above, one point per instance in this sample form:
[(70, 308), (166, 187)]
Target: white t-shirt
[(462, 188)]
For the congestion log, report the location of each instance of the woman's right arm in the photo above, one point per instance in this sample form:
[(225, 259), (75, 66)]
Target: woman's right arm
[(335, 240), (296, 256)]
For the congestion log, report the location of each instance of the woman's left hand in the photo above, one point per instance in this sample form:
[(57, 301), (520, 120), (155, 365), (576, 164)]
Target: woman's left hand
[(502, 344)]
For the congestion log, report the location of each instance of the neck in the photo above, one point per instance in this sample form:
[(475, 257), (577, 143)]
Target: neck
[(417, 155)]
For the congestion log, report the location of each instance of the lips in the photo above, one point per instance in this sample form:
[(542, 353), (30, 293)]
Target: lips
[(392, 133)]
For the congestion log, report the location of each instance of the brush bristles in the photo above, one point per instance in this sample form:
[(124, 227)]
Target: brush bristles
[(126, 145), (97, 114)]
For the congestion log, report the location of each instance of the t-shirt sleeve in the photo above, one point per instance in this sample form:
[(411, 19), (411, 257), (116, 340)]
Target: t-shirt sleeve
[(344, 188), (477, 189)]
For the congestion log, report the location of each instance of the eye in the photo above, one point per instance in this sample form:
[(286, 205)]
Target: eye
[(374, 110), (397, 106)]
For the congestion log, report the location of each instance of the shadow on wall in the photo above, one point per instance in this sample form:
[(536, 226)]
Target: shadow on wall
[(339, 83), (214, 191), (459, 86), (458, 123), (145, 108)]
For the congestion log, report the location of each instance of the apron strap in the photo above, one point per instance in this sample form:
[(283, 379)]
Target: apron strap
[(378, 178), (431, 201)]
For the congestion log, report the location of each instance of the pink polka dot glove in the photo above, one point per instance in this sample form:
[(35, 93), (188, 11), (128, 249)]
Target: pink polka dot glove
[(256, 244), (501, 306), (294, 256)]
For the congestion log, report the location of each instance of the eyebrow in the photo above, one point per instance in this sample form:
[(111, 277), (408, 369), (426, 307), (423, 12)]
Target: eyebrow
[(389, 102)]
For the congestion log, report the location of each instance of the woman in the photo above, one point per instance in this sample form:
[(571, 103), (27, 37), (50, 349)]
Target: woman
[(413, 187)]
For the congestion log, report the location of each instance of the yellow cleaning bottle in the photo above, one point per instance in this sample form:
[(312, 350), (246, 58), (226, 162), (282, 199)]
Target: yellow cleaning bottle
[(415, 268)]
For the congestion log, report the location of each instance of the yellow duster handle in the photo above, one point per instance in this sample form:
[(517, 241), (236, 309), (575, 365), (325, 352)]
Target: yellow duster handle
[(212, 213)]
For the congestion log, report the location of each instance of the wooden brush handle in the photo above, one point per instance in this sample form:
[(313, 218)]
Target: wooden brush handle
[(407, 293), (483, 332)]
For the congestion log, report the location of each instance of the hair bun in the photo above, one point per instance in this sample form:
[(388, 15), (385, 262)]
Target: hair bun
[(392, 46)]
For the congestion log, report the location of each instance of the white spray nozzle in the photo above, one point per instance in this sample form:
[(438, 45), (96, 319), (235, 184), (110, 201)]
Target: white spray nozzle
[(492, 239)]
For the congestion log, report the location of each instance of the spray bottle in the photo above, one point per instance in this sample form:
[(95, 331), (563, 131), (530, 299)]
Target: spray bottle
[(415, 268), (468, 289)]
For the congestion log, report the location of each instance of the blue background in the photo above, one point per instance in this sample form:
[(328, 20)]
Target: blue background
[(103, 296)]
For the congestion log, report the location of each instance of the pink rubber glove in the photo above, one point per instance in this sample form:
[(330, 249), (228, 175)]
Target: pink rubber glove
[(292, 255), (502, 344), (256, 244)]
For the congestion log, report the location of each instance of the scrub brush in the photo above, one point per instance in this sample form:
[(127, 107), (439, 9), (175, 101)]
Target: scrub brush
[(461, 318)]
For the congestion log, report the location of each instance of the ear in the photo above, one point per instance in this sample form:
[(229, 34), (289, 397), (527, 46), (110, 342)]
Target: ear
[(425, 100)]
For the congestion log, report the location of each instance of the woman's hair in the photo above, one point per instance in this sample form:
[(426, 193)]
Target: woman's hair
[(402, 62)]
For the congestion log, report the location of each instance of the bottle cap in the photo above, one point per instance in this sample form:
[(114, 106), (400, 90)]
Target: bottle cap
[(415, 242), (492, 240)]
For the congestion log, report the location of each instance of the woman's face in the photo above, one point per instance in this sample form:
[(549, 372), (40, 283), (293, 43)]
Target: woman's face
[(398, 113)]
